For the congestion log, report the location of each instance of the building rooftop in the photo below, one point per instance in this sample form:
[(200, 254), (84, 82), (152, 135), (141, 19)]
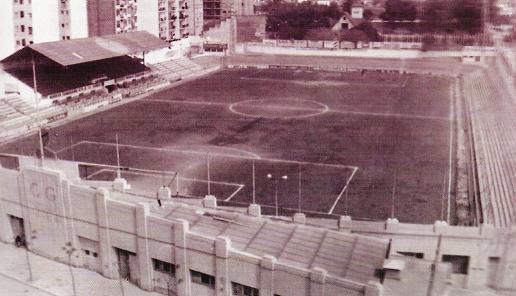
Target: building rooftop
[(342, 255), (83, 50)]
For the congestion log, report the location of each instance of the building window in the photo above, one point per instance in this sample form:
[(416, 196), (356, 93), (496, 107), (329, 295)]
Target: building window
[(22, 14), (413, 254), (22, 28), (202, 278), (18, 42), (459, 264), (23, 43), (30, 30), (21, 2), (164, 267), (243, 290)]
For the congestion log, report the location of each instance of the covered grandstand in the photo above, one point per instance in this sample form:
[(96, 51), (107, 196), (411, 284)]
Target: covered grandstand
[(65, 69)]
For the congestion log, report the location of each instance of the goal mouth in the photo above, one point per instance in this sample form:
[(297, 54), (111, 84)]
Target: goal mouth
[(231, 174), (284, 108)]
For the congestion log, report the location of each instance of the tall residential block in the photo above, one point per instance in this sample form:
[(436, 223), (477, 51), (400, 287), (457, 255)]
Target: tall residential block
[(171, 19), (25, 22), (106, 17), (223, 9)]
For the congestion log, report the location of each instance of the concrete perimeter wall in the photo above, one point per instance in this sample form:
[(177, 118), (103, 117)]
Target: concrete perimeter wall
[(259, 48), (58, 212)]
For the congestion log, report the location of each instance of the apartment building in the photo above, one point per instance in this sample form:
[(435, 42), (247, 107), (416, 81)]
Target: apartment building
[(25, 22), (106, 17), (171, 20), (223, 9)]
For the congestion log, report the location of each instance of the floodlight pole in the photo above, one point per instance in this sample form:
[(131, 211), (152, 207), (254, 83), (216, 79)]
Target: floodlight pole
[(276, 181), (346, 202), (254, 184), (393, 195), (299, 190), (41, 150), (442, 199), (71, 148), (276, 198), (34, 80), (208, 169), (177, 184), (117, 157)]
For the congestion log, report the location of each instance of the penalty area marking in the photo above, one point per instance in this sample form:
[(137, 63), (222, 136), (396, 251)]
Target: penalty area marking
[(342, 192), (238, 186), (240, 152), (211, 154)]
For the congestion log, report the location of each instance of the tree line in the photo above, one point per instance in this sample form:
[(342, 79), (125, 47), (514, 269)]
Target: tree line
[(287, 20)]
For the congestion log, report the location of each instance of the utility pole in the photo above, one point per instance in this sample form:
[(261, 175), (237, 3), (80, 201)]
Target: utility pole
[(393, 196), (254, 183), (429, 291), (117, 157), (34, 80), (70, 250), (276, 181)]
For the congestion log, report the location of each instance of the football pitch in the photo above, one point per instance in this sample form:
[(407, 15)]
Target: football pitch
[(367, 144)]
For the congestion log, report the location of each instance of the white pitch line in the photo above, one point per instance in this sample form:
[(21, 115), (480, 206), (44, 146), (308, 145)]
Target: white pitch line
[(234, 193), (322, 111), (398, 115), (182, 178), (312, 82), (223, 155), (187, 102), (342, 192), (99, 172), (450, 157), (212, 182)]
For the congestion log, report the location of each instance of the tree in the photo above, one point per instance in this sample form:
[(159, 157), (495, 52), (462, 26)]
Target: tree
[(292, 20), (368, 14), (346, 6), (468, 16), (369, 30), (436, 15), (353, 35), (399, 10)]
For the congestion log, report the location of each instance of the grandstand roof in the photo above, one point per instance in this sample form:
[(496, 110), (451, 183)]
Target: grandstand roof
[(83, 50), (344, 255)]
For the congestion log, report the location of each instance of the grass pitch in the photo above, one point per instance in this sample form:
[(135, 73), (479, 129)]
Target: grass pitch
[(395, 128)]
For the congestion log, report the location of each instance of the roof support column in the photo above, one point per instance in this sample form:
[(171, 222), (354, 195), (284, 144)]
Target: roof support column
[(182, 271), (267, 266), (222, 283), (108, 262), (144, 262), (317, 281), (34, 80)]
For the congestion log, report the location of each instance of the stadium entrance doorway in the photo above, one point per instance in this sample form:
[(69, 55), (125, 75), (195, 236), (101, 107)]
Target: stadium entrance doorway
[(126, 260), (18, 228)]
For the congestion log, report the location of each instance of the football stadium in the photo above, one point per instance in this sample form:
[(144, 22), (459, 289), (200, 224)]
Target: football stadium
[(350, 138), (365, 156)]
